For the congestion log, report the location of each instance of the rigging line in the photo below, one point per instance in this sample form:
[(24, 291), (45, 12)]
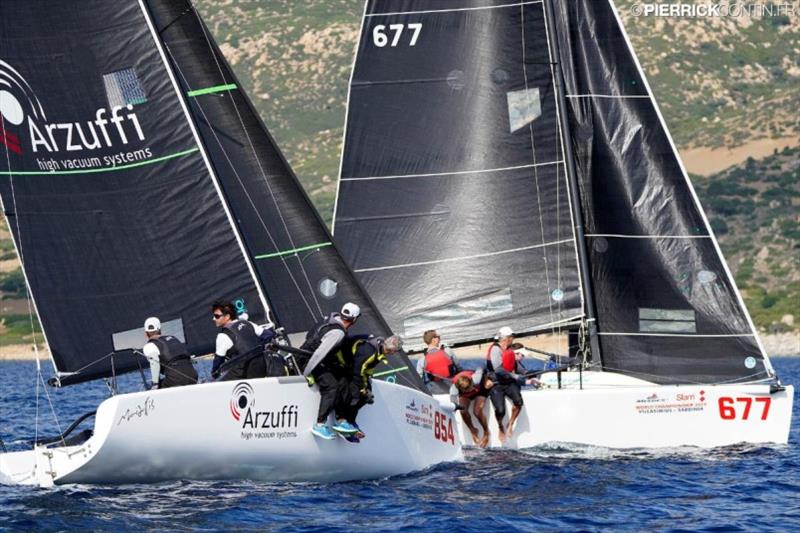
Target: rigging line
[(29, 293), (454, 173), (536, 172), (452, 10), (212, 90), (258, 161), (449, 259), (246, 192), (565, 154)]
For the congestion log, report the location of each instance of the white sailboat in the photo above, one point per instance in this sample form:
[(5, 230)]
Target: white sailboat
[(138, 180), (511, 164)]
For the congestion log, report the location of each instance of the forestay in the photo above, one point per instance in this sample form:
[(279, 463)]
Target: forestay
[(453, 204), (668, 309)]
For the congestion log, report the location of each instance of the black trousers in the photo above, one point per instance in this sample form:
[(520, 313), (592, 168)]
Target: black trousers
[(353, 401), (500, 392), (333, 395)]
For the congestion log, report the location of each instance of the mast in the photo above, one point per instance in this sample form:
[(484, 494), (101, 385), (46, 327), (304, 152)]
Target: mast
[(583, 258)]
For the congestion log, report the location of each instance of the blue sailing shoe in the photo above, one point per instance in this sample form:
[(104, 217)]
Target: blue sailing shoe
[(322, 431), (351, 438), (345, 427)]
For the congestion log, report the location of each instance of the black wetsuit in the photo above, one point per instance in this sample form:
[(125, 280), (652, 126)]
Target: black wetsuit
[(331, 373), (367, 355)]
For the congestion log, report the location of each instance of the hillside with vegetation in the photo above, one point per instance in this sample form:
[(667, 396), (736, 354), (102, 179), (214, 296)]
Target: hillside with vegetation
[(720, 82)]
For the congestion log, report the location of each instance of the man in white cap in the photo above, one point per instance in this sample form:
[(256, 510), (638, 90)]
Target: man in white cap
[(330, 370), (167, 354), (502, 360)]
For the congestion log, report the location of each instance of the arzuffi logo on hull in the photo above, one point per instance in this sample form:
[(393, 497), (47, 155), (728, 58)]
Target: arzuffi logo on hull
[(243, 398), (278, 423)]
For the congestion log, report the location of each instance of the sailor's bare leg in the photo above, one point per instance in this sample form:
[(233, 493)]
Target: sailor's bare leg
[(478, 406), (465, 416), (514, 414)]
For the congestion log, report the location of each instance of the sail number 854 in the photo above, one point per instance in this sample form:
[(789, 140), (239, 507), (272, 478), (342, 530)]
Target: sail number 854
[(380, 34), (443, 428), (733, 408)]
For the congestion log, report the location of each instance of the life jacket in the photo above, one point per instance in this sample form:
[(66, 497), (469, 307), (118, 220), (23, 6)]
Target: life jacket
[(367, 354), (335, 360), (438, 365), (170, 349), (509, 360), (471, 393), (244, 337)]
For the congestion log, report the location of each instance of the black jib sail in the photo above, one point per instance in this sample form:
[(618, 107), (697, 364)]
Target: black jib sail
[(453, 204), (668, 309), (134, 188)]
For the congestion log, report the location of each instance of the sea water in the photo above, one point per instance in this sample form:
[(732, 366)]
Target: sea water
[(739, 488)]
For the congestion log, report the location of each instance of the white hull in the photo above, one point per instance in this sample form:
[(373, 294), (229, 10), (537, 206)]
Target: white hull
[(617, 411), (193, 433)]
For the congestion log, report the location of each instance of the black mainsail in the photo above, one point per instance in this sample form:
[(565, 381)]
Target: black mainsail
[(453, 204), (429, 175), (145, 184)]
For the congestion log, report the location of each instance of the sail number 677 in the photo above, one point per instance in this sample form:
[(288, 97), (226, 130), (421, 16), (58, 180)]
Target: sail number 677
[(729, 408), (380, 36)]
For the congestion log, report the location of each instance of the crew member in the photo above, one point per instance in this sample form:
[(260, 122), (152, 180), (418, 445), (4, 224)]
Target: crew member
[(330, 370), (472, 388), (438, 363), (501, 359), (167, 354), (367, 354), (237, 337)]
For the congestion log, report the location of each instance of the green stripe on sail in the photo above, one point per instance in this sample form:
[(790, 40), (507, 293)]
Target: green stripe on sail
[(294, 250), (212, 90), (387, 372), (103, 169)]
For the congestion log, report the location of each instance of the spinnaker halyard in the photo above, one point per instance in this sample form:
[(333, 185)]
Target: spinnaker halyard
[(525, 178), (140, 182)]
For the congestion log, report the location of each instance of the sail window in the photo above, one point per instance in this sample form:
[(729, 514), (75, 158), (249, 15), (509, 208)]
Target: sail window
[(123, 88), (134, 339), (477, 309), (456, 80), (667, 321), (328, 288), (524, 107), (557, 295)]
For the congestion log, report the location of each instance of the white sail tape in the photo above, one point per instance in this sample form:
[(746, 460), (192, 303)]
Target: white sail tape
[(479, 8), (463, 258), (456, 173)]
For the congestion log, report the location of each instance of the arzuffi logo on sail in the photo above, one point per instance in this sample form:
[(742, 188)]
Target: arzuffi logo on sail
[(269, 424), (21, 110)]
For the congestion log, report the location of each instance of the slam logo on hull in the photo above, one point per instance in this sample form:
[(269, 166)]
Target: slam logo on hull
[(242, 399), (108, 128)]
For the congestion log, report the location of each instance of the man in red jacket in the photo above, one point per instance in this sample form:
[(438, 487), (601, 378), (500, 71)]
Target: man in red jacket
[(472, 388)]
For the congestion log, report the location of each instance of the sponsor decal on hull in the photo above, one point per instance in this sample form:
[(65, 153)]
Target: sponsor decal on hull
[(424, 415), (681, 402), (278, 423)]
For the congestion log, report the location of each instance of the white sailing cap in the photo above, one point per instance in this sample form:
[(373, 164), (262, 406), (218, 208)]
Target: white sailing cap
[(152, 324), (350, 311), (504, 332)]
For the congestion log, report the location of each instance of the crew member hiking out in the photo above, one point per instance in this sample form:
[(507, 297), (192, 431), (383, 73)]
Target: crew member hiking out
[(471, 388), (502, 361), (367, 354), (237, 338), (330, 370), (437, 364), (167, 354)]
